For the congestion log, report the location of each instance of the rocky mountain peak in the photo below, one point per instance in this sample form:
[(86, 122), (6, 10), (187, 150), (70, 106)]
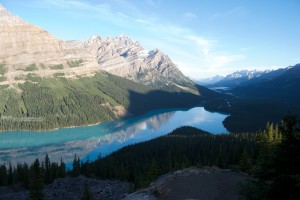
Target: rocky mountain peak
[(6, 18), (94, 40), (23, 44), (1, 7)]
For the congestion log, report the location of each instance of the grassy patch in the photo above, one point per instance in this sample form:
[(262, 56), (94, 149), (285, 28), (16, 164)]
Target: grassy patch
[(2, 87), (2, 78), (75, 63), (18, 78), (57, 75), (33, 77), (30, 68), (3, 69), (55, 67), (42, 66)]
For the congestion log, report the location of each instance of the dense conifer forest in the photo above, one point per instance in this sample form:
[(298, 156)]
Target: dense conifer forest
[(49, 103), (272, 156)]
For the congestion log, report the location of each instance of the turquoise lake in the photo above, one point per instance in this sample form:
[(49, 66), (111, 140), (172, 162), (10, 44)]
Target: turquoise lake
[(102, 139)]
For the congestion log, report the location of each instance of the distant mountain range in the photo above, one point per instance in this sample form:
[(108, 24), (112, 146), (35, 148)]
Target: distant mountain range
[(282, 84), (211, 80), (262, 84), (245, 77), (263, 98)]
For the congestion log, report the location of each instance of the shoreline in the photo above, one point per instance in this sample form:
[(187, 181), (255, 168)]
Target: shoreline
[(55, 129), (130, 116)]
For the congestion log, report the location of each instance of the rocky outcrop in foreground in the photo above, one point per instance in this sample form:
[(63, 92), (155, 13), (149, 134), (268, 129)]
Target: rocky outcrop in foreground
[(193, 183), (72, 188)]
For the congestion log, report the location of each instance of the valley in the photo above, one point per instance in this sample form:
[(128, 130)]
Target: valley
[(262, 99), (111, 117), (47, 83)]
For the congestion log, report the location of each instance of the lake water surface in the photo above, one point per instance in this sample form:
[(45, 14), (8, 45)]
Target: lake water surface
[(102, 139)]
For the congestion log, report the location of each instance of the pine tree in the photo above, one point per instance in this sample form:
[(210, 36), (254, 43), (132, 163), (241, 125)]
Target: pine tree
[(10, 174), (244, 162), (153, 170), (36, 182), (286, 184), (61, 170), (48, 178), (3, 175), (76, 167)]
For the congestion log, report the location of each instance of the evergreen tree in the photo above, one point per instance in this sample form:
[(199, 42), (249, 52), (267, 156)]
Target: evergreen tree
[(47, 167), (10, 174), (153, 170), (86, 168), (36, 182), (76, 167), (61, 170), (277, 169), (244, 162), (3, 175), (286, 184)]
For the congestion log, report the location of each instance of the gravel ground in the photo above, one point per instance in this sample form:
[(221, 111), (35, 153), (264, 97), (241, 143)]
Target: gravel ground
[(72, 188)]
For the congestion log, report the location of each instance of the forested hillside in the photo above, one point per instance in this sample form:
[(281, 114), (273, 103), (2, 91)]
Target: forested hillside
[(184, 147), (263, 99), (48, 103)]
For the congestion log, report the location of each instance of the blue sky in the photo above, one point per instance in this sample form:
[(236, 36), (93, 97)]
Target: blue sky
[(203, 37)]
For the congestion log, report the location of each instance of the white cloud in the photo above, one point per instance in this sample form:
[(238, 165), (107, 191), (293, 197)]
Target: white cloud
[(195, 55), (218, 61), (204, 44)]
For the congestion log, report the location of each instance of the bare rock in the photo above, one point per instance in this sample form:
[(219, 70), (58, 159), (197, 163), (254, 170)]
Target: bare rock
[(193, 183), (23, 44), (72, 188)]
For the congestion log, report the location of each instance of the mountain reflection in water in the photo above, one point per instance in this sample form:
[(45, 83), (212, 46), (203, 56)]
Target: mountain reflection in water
[(89, 142)]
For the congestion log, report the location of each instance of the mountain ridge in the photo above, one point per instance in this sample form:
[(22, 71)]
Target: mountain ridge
[(26, 44), (265, 99), (47, 83), (239, 77)]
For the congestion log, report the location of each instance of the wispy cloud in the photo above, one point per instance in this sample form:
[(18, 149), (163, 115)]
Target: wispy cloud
[(218, 61), (204, 44), (235, 12), (194, 54), (153, 3)]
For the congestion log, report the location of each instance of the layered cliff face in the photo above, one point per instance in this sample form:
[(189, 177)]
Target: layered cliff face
[(26, 49), (127, 58), (23, 43)]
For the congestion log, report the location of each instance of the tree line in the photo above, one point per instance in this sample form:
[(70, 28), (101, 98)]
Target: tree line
[(272, 156), (59, 102)]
